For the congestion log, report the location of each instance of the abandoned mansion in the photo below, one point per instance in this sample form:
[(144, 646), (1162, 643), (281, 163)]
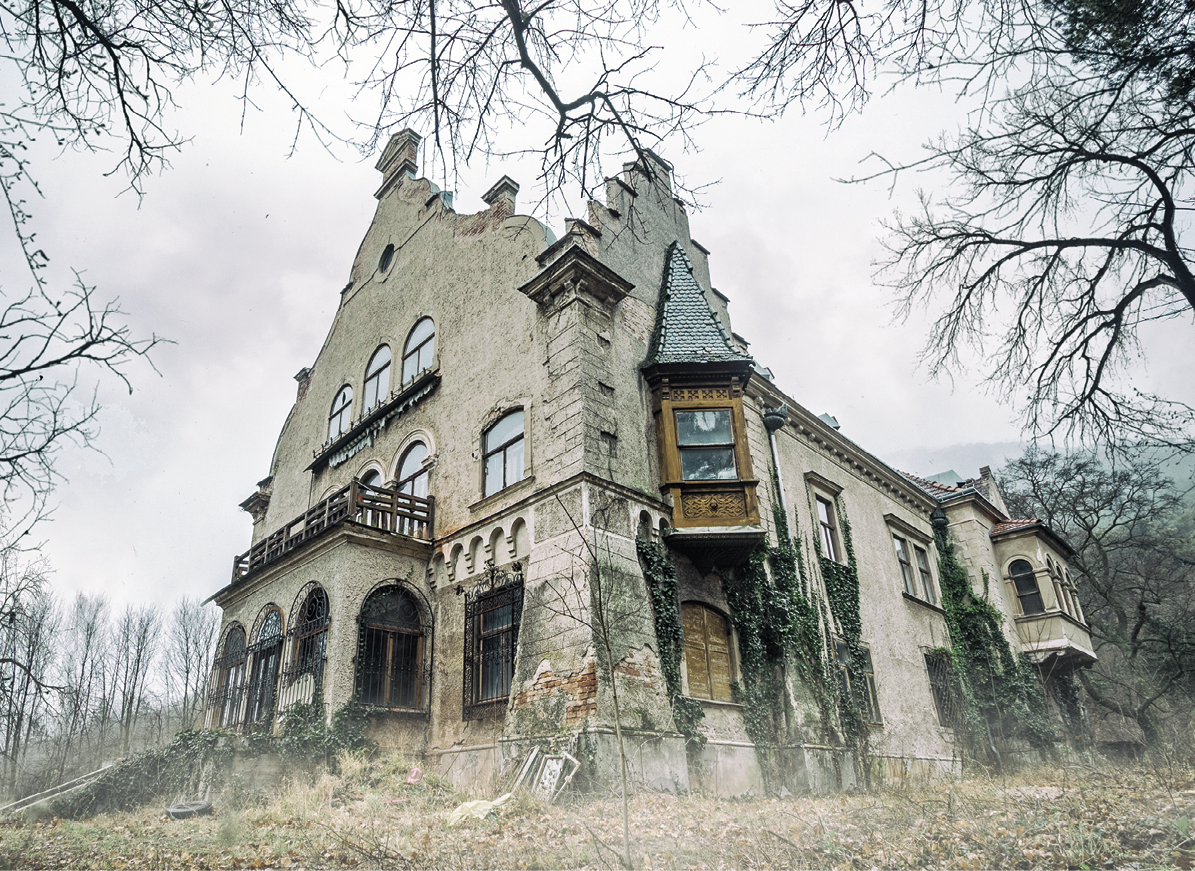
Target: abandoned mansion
[(534, 488)]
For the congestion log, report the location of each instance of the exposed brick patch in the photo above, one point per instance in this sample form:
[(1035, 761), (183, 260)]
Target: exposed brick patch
[(639, 666), (638, 317), (580, 688)]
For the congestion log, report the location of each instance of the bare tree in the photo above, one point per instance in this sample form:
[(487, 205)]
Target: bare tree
[(187, 657), (1133, 531), (82, 707), (1061, 230), (133, 650)]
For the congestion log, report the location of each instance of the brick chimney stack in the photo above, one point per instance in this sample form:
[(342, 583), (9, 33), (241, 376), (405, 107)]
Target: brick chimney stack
[(504, 190)]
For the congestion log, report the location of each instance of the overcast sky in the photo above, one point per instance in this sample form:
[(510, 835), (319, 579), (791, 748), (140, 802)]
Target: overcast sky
[(238, 253)]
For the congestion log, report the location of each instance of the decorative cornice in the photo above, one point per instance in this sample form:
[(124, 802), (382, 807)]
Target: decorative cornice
[(576, 274)]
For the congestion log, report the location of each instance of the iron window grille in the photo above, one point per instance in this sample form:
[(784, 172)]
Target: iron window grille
[(945, 687), (393, 668), (265, 656), (493, 613), (228, 682), (302, 677)]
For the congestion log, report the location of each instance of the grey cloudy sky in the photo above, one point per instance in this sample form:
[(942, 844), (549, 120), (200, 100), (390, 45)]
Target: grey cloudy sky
[(238, 254)]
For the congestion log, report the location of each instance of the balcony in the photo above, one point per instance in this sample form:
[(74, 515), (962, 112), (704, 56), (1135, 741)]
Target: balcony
[(379, 508), (1054, 633)]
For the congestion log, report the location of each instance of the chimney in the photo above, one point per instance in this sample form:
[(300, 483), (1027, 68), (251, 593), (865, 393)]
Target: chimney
[(505, 189), (398, 158)]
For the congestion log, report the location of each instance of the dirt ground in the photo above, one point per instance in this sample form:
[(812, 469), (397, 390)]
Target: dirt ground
[(1077, 816)]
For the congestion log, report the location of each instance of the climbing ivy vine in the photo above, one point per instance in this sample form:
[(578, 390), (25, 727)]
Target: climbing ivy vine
[(1001, 692), (779, 622), (660, 573)]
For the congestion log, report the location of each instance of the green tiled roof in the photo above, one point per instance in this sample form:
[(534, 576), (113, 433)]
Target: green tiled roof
[(687, 330)]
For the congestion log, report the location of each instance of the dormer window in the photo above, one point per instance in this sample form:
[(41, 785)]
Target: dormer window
[(342, 413), (419, 351), (705, 440), (377, 377)]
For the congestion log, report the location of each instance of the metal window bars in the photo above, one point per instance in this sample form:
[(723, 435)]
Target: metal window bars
[(493, 613)]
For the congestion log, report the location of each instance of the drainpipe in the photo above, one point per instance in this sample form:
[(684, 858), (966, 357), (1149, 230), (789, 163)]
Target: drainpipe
[(773, 419)]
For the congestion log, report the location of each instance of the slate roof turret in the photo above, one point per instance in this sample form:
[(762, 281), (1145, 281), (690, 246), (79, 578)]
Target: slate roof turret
[(687, 330)]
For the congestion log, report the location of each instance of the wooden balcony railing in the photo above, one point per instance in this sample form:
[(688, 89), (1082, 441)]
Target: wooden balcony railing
[(377, 507)]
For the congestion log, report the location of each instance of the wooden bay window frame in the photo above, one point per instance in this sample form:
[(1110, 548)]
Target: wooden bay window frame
[(705, 464)]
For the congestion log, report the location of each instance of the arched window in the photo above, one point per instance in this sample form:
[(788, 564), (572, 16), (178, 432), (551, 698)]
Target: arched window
[(368, 516), (342, 412), (412, 476), (377, 378), (311, 633), (420, 349), (504, 453), (230, 678), (390, 650), (1026, 584), (707, 652), (263, 682)]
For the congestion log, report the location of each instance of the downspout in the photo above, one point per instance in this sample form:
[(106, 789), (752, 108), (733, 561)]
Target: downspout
[(773, 419)]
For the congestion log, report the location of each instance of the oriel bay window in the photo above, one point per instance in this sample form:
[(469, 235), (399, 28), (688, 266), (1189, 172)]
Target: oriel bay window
[(704, 461), (390, 651)]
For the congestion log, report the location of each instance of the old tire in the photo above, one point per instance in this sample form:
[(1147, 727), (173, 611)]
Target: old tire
[(186, 809)]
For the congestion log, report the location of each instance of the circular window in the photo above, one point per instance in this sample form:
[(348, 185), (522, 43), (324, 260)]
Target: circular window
[(387, 258)]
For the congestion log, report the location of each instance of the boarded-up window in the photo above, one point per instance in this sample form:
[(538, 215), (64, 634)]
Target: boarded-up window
[(707, 652)]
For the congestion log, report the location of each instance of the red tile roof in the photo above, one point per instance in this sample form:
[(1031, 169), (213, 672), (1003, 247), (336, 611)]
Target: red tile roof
[(1013, 525)]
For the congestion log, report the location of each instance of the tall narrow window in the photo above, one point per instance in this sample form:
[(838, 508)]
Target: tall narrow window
[(263, 682), (504, 453), (419, 351), (412, 476), (865, 690), (311, 634), (906, 564), (944, 686), (377, 378), (706, 443), (493, 612), (342, 412), (1026, 584), (230, 669), (707, 652), (825, 517), (390, 650), (927, 578)]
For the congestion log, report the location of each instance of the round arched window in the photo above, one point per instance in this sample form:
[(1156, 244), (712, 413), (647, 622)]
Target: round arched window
[(419, 351), (1026, 583), (390, 650), (377, 377), (342, 412), (387, 258)]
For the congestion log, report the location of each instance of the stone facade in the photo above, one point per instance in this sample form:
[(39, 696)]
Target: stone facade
[(453, 538)]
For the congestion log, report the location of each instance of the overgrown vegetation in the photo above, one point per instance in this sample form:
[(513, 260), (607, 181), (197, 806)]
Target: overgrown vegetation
[(1001, 692), (779, 623), (367, 816), (660, 573), (198, 762)]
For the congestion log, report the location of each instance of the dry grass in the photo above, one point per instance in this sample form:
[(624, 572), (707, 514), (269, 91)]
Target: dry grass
[(367, 817)]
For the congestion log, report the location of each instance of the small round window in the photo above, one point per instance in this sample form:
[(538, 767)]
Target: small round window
[(387, 258)]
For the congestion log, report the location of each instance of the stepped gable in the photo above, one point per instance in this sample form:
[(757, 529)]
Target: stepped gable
[(687, 330)]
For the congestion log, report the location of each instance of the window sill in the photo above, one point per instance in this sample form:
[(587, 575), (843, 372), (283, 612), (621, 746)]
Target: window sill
[(924, 604), (716, 703), (495, 498)]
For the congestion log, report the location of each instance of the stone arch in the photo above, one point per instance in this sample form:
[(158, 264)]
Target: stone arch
[(520, 537)]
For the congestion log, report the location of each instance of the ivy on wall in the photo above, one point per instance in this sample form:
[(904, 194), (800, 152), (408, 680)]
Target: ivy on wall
[(660, 573), (1001, 692), (778, 621)]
